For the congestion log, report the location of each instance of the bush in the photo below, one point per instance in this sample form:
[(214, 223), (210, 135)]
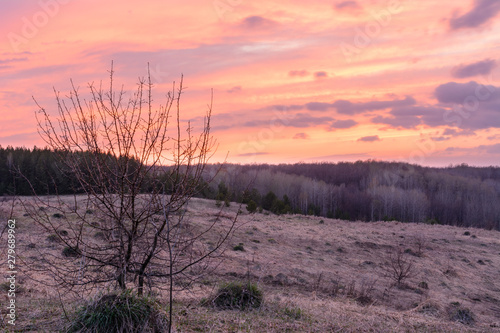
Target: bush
[(237, 296), (125, 312), (239, 247), (456, 312), (58, 215), (252, 207), (400, 266)]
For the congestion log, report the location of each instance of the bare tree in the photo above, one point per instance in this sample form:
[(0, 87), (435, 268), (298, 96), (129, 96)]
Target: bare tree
[(400, 266), (137, 176)]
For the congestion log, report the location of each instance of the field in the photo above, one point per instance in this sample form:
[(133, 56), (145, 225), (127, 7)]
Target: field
[(316, 274)]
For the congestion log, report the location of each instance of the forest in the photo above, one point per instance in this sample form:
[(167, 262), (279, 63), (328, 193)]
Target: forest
[(370, 190)]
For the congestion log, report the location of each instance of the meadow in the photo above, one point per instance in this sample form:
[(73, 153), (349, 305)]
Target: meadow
[(316, 275)]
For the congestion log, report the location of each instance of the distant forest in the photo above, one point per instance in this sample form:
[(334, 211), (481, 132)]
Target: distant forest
[(365, 190)]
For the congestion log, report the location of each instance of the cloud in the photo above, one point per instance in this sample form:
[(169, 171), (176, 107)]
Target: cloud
[(478, 68), (482, 12), (301, 136), (341, 157), (252, 154), (347, 107), (299, 120), (16, 53), (320, 74), (257, 22), (411, 116), (298, 73), (36, 72), (489, 149), (234, 89), (454, 132), (458, 93), (346, 5), (473, 106), (371, 138), (305, 120), (350, 108), (342, 124), (280, 107), (398, 122), (8, 61), (318, 106), (440, 138)]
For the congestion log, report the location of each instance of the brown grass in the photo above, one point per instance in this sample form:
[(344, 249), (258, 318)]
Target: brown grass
[(313, 276)]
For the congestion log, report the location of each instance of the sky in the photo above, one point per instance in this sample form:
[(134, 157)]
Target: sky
[(292, 81)]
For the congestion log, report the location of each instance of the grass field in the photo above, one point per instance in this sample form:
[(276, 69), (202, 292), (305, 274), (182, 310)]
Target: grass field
[(316, 275)]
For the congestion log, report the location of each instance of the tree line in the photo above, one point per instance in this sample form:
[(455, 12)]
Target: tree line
[(370, 191), (365, 190)]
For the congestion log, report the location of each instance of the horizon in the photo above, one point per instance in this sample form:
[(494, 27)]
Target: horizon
[(210, 163), (390, 81)]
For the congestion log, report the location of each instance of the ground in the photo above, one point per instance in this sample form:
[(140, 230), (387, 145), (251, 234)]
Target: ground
[(316, 274)]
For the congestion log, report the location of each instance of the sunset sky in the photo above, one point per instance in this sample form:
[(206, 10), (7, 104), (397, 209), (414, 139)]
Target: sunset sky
[(293, 81)]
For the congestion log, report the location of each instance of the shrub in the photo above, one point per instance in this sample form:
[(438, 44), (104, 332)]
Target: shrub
[(239, 247), (239, 296), (463, 315), (293, 313), (124, 312), (400, 266), (58, 215), (252, 207)]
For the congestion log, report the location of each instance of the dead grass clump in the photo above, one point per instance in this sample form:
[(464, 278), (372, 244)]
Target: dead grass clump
[(62, 232), (463, 315), (71, 252), (100, 235), (429, 308), (294, 313), (125, 312), (423, 285), (237, 296), (54, 238), (363, 295)]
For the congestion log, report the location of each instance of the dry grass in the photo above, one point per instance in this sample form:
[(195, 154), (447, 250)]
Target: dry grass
[(316, 277)]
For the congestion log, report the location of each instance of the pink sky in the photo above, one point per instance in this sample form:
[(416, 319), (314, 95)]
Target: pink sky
[(413, 81)]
